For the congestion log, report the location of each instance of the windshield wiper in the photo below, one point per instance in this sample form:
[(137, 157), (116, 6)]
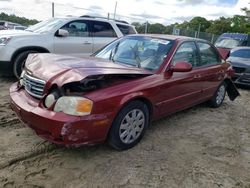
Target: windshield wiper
[(113, 52)]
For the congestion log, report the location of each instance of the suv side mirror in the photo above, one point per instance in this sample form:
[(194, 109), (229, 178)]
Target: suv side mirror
[(181, 67), (62, 33)]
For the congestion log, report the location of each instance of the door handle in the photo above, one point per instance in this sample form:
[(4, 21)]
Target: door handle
[(197, 76), (86, 42), (221, 71)]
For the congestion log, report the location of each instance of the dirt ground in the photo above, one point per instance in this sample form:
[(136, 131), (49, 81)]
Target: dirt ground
[(199, 147)]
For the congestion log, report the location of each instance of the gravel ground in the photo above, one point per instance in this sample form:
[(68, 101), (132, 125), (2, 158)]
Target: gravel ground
[(198, 147)]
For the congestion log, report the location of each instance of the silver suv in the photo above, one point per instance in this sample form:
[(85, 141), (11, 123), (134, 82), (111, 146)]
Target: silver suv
[(79, 36)]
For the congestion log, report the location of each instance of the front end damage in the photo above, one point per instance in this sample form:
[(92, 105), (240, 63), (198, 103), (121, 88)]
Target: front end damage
[(58, 126)]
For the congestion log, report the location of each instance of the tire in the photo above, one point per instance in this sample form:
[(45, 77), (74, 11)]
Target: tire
[(19, 62), (218, 96), (136, 116)]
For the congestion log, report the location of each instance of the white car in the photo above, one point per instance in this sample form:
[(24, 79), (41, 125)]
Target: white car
[(79, 37)]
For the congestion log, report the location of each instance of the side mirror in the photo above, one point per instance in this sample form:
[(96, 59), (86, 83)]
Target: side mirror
[(62, 33), (181, 67)]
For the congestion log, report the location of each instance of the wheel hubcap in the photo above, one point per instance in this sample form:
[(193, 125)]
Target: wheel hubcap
[(220, 94), (132, 126)]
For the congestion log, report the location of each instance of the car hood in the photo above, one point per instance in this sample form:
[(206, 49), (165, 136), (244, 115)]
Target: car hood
[(64, 69), (12, 33), (237, 61)]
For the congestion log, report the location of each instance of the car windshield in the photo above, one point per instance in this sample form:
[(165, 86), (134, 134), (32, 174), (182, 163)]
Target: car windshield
[(144, 52), (227, 43), (45, 26), (242, 53)]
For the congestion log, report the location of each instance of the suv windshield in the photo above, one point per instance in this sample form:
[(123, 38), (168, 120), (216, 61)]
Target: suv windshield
[(144, 52), (45, 26), (227, 43)]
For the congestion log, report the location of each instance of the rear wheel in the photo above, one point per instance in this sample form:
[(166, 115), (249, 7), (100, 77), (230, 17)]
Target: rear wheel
[(219, 96), (129, 126), (19, 62)]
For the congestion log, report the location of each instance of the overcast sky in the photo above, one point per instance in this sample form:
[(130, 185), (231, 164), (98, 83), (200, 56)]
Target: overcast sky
[(161, 11)]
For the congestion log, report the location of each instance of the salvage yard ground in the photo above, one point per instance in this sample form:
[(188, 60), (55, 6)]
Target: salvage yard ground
[(199, 147)]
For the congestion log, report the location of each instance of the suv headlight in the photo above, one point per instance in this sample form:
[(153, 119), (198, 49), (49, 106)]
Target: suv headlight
[(4, 40), (77, 106)]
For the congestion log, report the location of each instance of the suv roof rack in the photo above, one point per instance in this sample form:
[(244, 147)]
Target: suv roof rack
[(88, 16)]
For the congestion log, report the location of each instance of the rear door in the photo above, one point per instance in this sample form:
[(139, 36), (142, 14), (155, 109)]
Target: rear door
[(103, 33), (79, 41), (211, 69)]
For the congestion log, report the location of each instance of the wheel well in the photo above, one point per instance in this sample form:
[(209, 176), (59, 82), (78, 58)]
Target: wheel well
[(145, 101), (141, 99), (32, 48)]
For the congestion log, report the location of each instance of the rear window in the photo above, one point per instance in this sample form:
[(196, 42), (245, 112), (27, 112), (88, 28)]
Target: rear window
[(243, 53), (125, 29)]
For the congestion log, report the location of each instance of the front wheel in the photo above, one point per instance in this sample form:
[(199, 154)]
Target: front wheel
[(219, 96), (129, 126), (19, 62)]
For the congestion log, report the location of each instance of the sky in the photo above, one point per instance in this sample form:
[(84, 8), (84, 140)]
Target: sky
[(154, 11)]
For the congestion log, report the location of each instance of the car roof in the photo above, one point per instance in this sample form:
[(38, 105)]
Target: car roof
[(170, 37), (86, 17)]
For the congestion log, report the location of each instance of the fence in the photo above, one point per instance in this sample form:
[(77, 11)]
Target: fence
[(196, 34)]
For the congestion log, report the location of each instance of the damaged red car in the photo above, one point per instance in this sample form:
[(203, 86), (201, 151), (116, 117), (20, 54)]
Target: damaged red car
[(115, 94)]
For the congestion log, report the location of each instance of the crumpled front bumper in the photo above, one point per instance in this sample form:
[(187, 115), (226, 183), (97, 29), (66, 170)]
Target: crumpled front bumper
[(57, 127), (242, 79)]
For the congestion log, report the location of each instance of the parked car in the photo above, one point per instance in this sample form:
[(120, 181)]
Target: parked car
[(20, 27), (240, 60), (8, 25), (79, 36), (228, 41), (115, 94)]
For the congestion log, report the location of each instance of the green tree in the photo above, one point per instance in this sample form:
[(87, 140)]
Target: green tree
[(140, 28), (199, 23), (16, 19), (156, 28), (219, 26)]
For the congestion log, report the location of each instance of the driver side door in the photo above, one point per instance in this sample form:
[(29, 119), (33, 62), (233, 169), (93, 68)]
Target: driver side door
[(79, 41), (182, 89)]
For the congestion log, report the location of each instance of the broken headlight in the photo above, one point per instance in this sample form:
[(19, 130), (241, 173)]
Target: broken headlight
[(77, 106)]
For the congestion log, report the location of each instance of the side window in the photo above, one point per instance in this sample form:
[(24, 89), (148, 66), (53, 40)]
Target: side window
[(208, 54), (125, 29), (103, 29), (187, 52), (77, 28)]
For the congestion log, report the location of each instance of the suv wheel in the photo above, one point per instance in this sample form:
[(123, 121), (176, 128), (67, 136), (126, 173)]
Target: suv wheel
[(19, 62)]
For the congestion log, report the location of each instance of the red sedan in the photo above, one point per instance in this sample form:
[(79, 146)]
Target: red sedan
[(116, 93)]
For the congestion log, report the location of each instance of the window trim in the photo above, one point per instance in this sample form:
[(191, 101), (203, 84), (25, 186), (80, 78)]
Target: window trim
[(188, 41), (92, 29), (85, 21), (214, 50)]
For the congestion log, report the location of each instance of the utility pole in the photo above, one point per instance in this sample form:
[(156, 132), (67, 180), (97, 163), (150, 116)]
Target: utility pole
[(53, 10), (115, 9), (146, 27), (199, 30)]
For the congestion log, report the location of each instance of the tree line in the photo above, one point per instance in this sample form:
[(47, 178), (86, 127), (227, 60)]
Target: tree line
[(20, 20), (235, 24)]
